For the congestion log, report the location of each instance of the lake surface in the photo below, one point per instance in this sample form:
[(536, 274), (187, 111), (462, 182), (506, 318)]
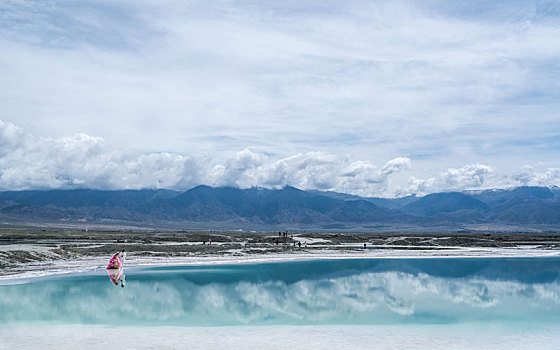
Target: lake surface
[(512, 297)]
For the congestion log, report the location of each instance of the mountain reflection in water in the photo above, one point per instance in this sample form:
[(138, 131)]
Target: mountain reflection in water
[(351, 291)]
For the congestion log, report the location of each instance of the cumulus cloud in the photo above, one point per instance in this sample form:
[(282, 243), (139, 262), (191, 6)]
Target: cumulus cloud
[(480, 176), (239, 171), (312, 170), (529, 176), (31, 162), (309, 170), (28, 161), (468, 176), (396, 165), (453, 179)]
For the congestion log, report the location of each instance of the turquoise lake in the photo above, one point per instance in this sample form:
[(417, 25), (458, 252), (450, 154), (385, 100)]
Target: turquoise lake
[(360, 292)]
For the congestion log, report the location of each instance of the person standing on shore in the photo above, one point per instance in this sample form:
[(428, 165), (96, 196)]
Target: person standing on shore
[(122, 256)]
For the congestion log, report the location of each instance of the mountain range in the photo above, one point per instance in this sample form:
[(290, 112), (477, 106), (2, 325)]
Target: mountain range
[(224, 207)]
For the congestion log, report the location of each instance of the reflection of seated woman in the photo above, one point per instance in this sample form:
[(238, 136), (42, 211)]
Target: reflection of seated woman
[(116, 276), (115, 262), (122, 280)]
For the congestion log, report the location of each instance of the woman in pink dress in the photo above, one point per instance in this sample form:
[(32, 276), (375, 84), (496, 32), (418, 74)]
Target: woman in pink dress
[(115, 262)]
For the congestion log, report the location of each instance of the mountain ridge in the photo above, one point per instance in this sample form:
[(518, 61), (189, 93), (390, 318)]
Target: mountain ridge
[(287, 206)]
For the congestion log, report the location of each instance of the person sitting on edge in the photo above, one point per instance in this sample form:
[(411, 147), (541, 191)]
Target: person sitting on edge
[(115, 262)]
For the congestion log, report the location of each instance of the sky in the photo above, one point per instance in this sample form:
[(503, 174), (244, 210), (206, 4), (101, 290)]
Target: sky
[(375, 98)]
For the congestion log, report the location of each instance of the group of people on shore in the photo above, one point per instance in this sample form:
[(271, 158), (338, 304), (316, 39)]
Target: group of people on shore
[(284, 235)]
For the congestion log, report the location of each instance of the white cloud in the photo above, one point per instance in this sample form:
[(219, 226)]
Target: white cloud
[(375, 79), (312, 170), (529, 176), (241, 171), (471, 176), (396, 165), (28, 161), (468, 176), (481, 176), (31, 162)]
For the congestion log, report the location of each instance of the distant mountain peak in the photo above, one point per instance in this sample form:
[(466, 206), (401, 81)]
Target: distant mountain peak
[(291, 188), (443, 202)]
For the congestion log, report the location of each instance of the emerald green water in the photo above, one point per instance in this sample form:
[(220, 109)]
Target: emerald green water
[(320, 292)]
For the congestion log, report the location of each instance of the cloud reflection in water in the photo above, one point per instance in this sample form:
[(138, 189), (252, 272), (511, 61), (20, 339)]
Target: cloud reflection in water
[(365, 295)]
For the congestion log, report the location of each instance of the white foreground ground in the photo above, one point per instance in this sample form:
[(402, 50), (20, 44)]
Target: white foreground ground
[(461, 336)]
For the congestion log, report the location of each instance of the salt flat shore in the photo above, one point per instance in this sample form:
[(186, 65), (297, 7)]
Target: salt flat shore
[(32, 254), (457, 336)]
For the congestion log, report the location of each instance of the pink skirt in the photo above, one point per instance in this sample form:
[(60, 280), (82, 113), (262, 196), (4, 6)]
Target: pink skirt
[(115, 262)]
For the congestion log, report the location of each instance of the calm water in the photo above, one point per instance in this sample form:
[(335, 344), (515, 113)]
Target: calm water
[(324, 292)]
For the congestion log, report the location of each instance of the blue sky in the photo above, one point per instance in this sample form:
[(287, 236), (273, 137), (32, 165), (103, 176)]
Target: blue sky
[(370, 97)]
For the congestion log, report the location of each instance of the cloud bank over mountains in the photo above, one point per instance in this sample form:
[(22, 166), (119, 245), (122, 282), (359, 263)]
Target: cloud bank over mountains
[(84, 161), (368, 97), (443, 83)]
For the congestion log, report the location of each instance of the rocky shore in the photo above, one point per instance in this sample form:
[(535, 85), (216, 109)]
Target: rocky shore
[(37, 252)]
